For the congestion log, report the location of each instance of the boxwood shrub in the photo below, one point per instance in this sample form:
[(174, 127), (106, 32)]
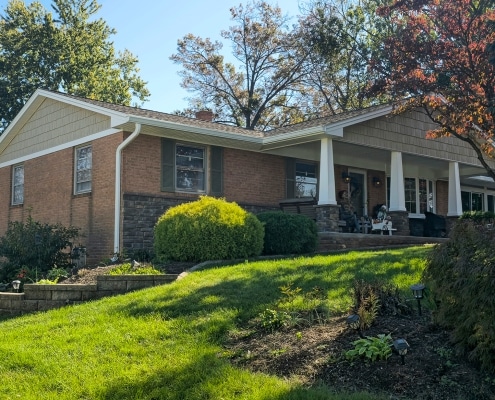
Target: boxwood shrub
[(288, 233), (207, 229)]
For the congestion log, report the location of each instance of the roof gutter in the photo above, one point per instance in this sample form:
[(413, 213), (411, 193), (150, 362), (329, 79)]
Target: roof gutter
[(118, 185)]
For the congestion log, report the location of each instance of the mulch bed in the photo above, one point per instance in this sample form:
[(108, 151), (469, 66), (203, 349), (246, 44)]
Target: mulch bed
[(314, 355)]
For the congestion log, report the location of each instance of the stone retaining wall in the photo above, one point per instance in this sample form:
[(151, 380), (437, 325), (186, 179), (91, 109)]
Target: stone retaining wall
[(45, 297)]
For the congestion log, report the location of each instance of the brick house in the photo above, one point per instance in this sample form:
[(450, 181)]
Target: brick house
[(113, 170)]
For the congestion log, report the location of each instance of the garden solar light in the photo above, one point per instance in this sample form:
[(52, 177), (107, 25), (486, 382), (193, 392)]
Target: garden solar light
[(353, 322), (401, 346), (418, 294), (16, 285)]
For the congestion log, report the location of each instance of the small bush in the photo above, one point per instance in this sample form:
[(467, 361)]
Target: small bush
[(460, 275), (371, 348), (377, 298), (288, 233), (128, 269), (207, 229), (35, 247)]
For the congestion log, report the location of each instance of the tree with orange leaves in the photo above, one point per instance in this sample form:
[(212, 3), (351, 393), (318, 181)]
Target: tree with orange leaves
[(441, 58)]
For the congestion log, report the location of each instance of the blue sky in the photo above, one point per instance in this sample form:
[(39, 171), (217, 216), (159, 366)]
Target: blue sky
[(150, 29)]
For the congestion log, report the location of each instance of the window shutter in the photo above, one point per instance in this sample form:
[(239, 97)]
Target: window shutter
[(168, 167), (290, 178), (216, 171)]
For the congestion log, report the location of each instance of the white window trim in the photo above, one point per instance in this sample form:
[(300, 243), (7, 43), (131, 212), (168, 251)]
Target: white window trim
[(76, 150), (205, 167), (13, 202)]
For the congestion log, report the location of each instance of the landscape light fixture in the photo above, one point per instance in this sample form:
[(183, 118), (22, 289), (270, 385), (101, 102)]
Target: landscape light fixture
[(401, 346), (354, 323), (418, 294), (377, 182), (16, 285)]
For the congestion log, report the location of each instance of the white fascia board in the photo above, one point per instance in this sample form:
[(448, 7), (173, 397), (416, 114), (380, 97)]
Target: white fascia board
[(83, 104), (302, 134), (195, 129), (63, 146), (336, 129)]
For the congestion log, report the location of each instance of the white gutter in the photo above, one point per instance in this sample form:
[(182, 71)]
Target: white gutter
[(118, 184)]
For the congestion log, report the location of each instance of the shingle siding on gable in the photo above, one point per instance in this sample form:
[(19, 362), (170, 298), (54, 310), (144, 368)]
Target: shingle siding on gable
[(406, 133), (53, 124)]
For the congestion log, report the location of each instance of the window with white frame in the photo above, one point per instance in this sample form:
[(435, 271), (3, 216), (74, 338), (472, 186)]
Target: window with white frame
[(190, 168), (83, 169), (418, 195), (18, 185)]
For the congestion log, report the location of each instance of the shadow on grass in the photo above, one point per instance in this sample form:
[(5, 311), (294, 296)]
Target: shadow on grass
[(252, 287), (208, 377)]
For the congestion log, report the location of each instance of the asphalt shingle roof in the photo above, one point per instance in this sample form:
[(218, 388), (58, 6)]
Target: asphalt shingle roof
[(161, 116)]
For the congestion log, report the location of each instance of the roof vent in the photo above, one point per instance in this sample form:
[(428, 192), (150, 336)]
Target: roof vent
[(204, 115)]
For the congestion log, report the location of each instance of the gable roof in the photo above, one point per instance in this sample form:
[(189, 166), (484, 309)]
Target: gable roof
[(121, 117)]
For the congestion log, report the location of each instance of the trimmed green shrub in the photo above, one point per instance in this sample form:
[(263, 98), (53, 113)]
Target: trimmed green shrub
[(207, 229), (35, 248), (460, 275), (288, 233)]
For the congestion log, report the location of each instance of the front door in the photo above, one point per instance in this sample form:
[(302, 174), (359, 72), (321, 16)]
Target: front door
[(357, 191)]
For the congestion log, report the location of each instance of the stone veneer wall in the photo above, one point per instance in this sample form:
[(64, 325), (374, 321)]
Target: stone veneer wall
[(141, 212), (45, 297)]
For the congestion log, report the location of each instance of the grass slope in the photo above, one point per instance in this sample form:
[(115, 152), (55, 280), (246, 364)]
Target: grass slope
[(164, 342)]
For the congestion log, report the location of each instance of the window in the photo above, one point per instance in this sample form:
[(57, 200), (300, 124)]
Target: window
[(190, 168), (301, 179), (410, 194), (472, 201), (18, 185), (83, 169), (418, 195), (305, 180)]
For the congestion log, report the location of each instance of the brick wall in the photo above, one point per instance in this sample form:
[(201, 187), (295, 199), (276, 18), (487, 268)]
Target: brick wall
[(49, 198), (253, 178), (442, 197)]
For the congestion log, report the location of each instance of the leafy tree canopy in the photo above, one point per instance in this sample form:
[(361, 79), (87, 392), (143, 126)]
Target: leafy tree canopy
[(265, 91), (343, 36), (68, 50), (440, 59)]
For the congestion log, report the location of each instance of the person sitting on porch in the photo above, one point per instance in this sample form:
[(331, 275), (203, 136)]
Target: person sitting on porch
[(382, 213), (347, 212)]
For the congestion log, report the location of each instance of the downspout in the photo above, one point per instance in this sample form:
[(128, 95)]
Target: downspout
[(118, 185)]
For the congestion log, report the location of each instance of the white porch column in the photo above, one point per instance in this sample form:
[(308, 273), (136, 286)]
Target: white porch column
[(397, 196), (327, 174), (455, 202)]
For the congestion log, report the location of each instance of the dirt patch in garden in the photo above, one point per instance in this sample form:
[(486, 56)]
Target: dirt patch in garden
[(315, 354)]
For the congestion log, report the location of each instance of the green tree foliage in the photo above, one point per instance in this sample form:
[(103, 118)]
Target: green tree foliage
[(460, 275), (439, 58), (70, 51), (35, 248), (264, 92), (288, 233), (207, 229), (343, 36)]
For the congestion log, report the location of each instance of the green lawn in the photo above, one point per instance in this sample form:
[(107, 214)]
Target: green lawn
[(164, 342)]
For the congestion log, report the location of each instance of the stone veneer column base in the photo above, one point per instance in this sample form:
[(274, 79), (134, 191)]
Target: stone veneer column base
[(327, 218), (449, 223), (400, 221)]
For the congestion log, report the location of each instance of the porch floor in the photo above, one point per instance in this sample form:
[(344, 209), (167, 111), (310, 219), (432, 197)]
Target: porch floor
[(339, 241)]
